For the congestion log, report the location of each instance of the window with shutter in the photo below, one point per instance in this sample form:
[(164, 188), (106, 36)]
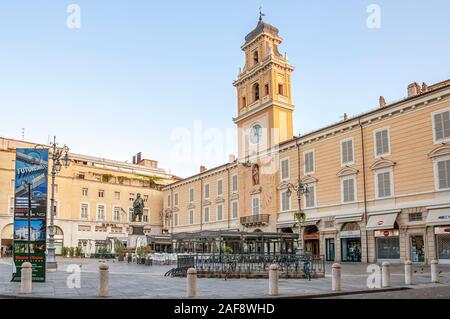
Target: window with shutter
[(234, 182), (285, 169), (219, 187), (285, 202), (347, 152), (191, 217), (191, 195), (255, 203), (206, 190), (382, 142), (348, 190), (310, 196), (206, 214), (384, 184), (442, 126), (235, 209), (309, 162), (219, 212), (444, 174)]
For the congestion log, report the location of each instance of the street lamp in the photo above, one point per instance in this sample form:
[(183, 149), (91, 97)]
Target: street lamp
[(300, 188), (56, 154)]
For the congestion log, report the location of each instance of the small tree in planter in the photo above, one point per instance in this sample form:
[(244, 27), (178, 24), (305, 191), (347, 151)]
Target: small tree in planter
[(120, 251), (64, 251), (78, 251), (71, 251)]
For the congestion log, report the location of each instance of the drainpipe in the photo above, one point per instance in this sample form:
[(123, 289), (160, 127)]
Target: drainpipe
[(364, 187), (229, 197), (201, 203)]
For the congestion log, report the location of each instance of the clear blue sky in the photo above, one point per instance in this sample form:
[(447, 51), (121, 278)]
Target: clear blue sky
[(136, 70)]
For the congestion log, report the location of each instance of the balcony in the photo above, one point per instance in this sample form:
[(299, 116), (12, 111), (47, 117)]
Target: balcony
[(255, 220)]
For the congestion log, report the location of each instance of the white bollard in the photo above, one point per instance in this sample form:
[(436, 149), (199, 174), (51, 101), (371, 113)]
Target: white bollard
[(408, 272), (386, 274), (273, 280), (191, 283), (26, 278), (336, 277), (434, 271), (104, 280)]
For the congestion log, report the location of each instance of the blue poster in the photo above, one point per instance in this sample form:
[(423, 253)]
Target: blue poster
[(30, 211)]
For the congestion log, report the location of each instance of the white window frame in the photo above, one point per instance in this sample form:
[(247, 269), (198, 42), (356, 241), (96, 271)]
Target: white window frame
[(191, 191), (346, 178), (217, 212), (253, 204), (219, 181), (176, 220), (176, 199), (209, 191), (102, 192), (232, 185), (387, 128), (315, 197), (113, 213), (353, 151), (104, 212), (384, 170), (285, 191), (237, 209), (191, 217), (81, 210), (204, 214), (115, 195), (304, 162), (444, 140), (436, 172), (285, 159)]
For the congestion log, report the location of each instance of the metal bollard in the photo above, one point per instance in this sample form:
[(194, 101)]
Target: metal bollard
[(26, 278), (104, 280), (386, 275), (191, 283), (434, 271), (273, 280), (336, 277), (408, 273)]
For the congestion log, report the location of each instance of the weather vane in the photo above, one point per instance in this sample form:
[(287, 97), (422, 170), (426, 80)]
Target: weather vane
[(261, 14)]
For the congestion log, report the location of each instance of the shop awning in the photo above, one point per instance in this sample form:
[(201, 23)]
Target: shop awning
[(439, 216), (381, 221), (349, 218)]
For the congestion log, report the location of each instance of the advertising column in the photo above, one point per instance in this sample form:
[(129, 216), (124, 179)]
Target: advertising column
[(30, 212)]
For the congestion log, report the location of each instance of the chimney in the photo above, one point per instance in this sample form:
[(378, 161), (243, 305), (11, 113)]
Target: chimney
[(202, 168), (424, 87), (413, 89), (134, 159), (382, 101), (345, 116), (231, 158)]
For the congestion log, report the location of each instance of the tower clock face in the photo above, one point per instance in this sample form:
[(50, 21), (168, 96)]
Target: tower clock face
[(256, 134)]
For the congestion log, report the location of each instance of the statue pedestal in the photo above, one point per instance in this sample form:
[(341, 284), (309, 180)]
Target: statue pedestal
[(136, 228)]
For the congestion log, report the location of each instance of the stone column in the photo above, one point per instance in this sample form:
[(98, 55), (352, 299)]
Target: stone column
[(104, 280), (408, 273), (386, 274), (336, 277), (191, 291), (26, 278), (434, 271), (273, 280)]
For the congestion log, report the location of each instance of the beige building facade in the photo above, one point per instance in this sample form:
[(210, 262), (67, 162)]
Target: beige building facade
[(379, 182), (93, 197)]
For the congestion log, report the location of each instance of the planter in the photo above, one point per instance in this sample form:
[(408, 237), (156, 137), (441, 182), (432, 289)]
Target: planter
[(120, 257)]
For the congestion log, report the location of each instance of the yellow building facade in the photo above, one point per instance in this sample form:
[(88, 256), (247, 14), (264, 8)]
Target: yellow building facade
[(93, 197), (379, 182)]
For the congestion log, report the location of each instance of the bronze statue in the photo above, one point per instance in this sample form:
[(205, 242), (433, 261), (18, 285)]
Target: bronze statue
[(255, 174), (138, 208)]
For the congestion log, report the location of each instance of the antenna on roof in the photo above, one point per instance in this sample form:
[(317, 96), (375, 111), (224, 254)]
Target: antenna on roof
[(23, 133)]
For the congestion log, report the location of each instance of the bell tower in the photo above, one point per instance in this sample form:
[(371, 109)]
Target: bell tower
[(264, 112)]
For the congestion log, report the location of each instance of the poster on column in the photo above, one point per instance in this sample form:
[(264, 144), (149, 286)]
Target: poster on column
[(30, 212)]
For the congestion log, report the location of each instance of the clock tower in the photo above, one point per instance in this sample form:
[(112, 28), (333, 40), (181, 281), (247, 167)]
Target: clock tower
[(264, 112)]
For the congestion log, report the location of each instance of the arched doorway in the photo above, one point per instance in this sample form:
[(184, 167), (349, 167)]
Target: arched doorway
[(351, 242), (311, 237), (7, 240)]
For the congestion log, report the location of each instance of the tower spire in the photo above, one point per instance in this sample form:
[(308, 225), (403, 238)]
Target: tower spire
[(261, 14)]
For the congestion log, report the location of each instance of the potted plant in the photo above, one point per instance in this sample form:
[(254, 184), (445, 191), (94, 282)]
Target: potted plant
[(64, 251), (78, 251), (120, 251), (71, 252)]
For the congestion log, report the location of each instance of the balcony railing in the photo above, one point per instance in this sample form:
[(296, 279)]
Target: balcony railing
[(255, 220)]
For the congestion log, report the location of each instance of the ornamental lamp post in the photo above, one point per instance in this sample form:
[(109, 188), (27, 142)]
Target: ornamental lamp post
[(57, 154), (300, 188)]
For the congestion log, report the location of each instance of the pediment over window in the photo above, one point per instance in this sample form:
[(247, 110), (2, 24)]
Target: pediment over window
[(382, 163), (309, 179), (440, 151), (283, 185), (219, 199), (256, 190), (206, 203), (175, 209), (346, 171), (191, 206), (234, 196)]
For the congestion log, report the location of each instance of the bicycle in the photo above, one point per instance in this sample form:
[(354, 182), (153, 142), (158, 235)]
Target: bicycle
[(306, 269)]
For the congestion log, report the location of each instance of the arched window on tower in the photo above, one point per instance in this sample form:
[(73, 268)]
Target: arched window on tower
[(280, 89), (256, 91), (244, 102), (255, 57)]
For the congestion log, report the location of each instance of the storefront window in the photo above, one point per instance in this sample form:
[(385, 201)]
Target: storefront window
[(351, 249), (330, 249), (388, 248), (443, 246)]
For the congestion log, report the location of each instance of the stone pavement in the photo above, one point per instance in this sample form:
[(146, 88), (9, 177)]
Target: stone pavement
[(140, 281)]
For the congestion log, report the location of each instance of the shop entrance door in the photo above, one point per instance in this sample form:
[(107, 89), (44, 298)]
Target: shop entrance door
[(351, 249), (330, 249), (417, 249)]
